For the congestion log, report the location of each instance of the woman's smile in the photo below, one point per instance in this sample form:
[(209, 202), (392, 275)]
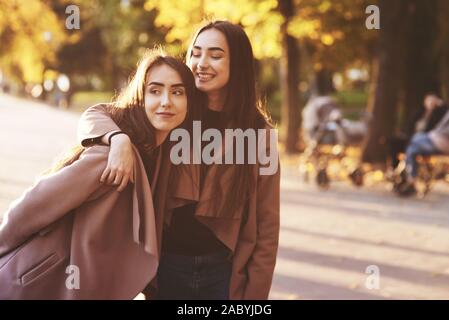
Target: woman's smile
[(204, 76), (165, 114)]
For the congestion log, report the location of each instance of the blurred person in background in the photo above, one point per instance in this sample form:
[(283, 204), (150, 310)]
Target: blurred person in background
[(426, 143), (424, 120)]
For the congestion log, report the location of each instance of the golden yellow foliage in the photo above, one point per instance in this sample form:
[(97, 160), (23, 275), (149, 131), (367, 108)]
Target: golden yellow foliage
[(32, 33), (259, 18)]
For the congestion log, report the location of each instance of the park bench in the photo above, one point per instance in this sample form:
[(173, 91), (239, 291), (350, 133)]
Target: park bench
[(431, 169)]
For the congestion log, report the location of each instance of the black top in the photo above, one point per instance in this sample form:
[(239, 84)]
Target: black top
[(436, 115), (149, 159), (186, 235)]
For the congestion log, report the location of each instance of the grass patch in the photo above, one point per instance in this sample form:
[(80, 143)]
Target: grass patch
[(352, 99), (352, 103)]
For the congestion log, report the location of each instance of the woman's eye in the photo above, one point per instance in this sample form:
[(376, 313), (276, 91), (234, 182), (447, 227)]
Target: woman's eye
[(178, 92), (216, 57), (155, 91)]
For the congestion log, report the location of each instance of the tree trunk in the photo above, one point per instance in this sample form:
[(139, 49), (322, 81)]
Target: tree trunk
[(443, 48), (445, 77), (387, 87), (289, 65), (421, 60)]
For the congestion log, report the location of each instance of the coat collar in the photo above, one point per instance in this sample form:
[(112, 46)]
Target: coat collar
[(142, 206)]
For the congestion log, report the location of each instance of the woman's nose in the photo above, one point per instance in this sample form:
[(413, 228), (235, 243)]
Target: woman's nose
[(203, 63), (165, 100)]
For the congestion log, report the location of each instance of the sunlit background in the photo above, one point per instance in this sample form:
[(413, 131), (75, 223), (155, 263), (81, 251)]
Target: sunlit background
[(51, 71)]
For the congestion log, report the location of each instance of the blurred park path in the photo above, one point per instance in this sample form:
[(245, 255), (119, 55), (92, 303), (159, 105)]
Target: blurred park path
[(32, 135), (328, 239)]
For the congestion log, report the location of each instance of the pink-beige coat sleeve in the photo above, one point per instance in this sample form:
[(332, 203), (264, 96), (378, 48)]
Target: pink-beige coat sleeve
[(94, 123), (260, 267), (51, 198)]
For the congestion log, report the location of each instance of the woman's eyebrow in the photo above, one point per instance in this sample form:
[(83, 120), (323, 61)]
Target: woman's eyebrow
[(163, 85), (155, 84), (210, 49)]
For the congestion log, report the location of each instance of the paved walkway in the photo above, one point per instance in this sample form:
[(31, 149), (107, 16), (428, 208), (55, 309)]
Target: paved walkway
[(328, 240)]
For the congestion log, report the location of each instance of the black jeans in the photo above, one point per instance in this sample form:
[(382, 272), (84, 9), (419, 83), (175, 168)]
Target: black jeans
[(205, 277)]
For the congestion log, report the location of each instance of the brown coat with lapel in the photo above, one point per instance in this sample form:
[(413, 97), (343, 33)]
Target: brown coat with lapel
[(70, 219)]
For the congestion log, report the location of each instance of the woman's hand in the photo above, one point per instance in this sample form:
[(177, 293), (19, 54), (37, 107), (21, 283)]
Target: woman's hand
[(120, 168)]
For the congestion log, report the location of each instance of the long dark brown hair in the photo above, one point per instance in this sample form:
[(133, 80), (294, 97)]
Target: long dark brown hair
[(128, 108), (242, 109)]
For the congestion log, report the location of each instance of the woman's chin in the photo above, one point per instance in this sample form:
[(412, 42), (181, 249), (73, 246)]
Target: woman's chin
[(209, 87), (204, 86), (164, 127)]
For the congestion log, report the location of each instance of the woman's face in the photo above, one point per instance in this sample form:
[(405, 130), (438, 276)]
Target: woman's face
[(210, 61), (431, 102), (165, 98)]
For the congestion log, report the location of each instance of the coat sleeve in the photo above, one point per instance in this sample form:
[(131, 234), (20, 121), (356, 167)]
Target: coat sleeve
[(261, 265), (51, 198), (94, 123)]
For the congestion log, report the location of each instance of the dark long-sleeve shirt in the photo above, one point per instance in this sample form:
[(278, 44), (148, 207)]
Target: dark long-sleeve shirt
[(186, 235)]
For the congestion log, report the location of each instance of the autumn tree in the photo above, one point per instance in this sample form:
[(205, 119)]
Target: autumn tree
[(30, 35), (334, 37), (289, 78), (421, 58), (387, 80), (411, 60), (112, 38)]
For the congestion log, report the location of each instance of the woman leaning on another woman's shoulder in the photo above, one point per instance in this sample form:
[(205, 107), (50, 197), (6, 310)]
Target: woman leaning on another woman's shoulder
[(72, 237)]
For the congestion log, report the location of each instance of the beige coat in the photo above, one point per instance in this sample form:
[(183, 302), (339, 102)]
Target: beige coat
[(254, 245), (69, 230)]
